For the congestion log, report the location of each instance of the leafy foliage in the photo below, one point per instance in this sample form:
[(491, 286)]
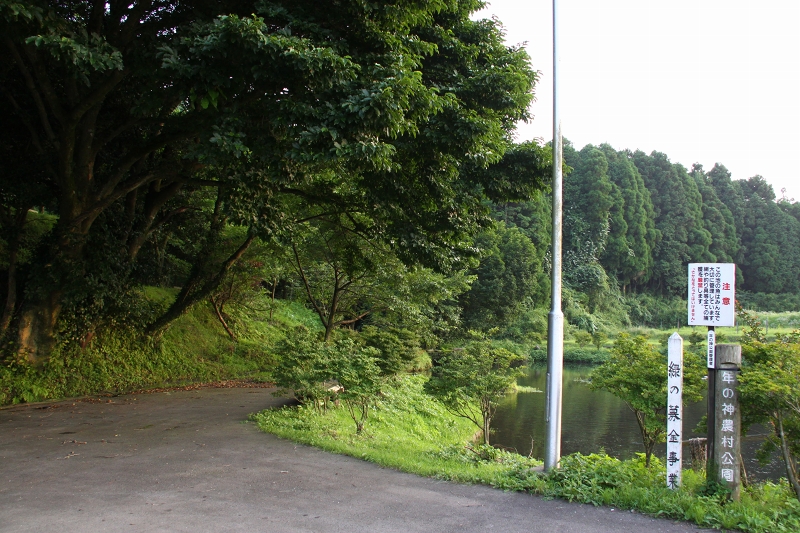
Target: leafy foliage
[(505, 279), (582, 338), (413, 432), (770, 395), (398, 349), (471, 381), (316, 372), (637, 374)]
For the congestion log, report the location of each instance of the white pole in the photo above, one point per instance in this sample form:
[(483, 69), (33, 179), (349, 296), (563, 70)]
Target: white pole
[(555, 322), (674, 411)]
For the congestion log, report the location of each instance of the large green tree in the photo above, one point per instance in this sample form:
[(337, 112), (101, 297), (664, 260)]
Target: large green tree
[(729, 193), (590, 208), (534, 219), (677, 205), (505, 280), (398, 108), (770, 240), (717, 220), (632, 235), (588, 201)]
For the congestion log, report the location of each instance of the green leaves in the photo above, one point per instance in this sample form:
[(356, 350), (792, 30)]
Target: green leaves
[(637, 374), (14, 11), (86, 53), (770, 393), (506, 278), (316, 372), (471, 381)]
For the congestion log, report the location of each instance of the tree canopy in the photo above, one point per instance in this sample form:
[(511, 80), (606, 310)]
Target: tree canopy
[(130, 113)]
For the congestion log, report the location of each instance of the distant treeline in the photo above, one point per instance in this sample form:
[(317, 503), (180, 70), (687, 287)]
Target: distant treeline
[(639, 219)]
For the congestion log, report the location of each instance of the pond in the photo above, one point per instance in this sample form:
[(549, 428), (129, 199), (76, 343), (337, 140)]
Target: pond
[(595, 420)]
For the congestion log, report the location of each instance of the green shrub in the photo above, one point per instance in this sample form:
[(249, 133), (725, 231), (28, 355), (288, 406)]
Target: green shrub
[(398, 348), (471, 381), (582, 338)]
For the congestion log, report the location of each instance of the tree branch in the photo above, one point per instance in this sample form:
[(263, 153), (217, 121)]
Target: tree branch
[(221, 319), (97, 96), (125, 165), (95, 209), (31, 84), (356, 319), (44, 82), (311, 298)]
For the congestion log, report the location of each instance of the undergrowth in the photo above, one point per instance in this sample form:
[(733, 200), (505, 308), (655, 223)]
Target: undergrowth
[(602, 480), (407, 430), (412, 432), (194, 349)]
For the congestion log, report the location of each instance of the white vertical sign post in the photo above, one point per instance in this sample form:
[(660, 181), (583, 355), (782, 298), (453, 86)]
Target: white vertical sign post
[(674, 411)]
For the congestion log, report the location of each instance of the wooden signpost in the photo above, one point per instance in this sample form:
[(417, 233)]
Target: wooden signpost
[(724, 455), (712, 298)]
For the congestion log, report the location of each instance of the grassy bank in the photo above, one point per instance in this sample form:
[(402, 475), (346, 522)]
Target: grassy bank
[(195, 349), (408, 431), (411, 432)]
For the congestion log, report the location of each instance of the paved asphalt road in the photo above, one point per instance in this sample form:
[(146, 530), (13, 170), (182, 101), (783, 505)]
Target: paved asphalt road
[(189, 461)]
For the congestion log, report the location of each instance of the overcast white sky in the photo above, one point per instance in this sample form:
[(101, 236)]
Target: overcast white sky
[(700, 80)]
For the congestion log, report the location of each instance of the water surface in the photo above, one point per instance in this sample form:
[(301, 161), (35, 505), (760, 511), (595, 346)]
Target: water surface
[(596, 420)]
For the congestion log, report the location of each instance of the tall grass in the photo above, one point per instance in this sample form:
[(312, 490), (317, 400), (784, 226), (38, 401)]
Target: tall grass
[(408, 430), (195, 349), (412, 432)]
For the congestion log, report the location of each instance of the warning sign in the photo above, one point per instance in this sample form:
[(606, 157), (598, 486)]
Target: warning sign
[(712, 295)]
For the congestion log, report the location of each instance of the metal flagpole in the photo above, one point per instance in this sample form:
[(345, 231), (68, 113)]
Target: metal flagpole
[(555, 322)]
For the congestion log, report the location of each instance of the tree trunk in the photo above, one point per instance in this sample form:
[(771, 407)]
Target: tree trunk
[(647, 442), (11, 296), (189, 295), (13, 253), (648, 453), (36, 334), (272, 299), (155, 199), (486, 412), (791, 470), (328, 331), (218, 311)]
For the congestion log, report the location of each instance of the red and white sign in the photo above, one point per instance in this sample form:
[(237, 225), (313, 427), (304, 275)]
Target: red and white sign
[(712, 294)]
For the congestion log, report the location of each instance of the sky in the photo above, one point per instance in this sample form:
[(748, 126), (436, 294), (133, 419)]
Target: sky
[(703, 81)]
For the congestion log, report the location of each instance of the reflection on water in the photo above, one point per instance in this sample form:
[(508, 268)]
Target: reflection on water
[(596, 420)]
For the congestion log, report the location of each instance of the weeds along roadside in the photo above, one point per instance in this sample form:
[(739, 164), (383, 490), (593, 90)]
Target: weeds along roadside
[(412, 432), (194, 350)]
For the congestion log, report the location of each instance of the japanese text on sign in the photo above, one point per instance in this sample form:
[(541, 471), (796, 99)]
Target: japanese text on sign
[(674, 410), (712, 294), (711, 360), (727, 417)]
